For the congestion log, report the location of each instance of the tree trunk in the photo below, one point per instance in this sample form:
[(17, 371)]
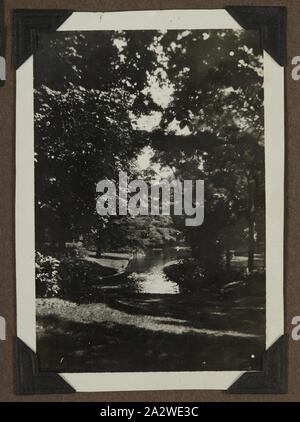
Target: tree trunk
[(251, 221), (61, 237), (251, 245), (228, 260)]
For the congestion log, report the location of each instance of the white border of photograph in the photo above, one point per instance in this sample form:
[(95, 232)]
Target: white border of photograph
[(274, 161)]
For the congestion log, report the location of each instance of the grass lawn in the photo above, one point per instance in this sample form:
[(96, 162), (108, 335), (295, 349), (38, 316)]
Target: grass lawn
[(136, 332)]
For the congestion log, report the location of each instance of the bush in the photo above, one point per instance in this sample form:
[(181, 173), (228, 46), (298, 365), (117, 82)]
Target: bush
[(74, 250), (68, 277), (188, 274), (75, 278), (47, 275), (79, 279)]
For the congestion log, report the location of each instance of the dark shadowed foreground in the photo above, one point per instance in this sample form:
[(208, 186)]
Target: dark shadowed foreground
[(153, 332)]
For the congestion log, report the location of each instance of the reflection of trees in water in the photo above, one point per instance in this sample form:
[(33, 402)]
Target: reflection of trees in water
[(147, 273)]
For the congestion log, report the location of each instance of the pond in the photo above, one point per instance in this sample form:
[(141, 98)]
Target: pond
[(147, 274)]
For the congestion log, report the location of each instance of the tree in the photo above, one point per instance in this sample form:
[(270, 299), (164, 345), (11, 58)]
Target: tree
[(89, 101), (218, 101), (89, 89), (81, 136)]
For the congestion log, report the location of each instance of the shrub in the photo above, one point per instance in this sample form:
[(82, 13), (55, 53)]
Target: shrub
[(74, 250), (188, 274), (69, 278), (79, 278), (47, 275)]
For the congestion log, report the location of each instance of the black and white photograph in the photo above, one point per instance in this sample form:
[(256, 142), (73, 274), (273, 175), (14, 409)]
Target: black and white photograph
[(149, 201)]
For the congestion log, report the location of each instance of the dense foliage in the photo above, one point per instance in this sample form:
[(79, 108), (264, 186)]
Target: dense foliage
[(47, 276), (204, 92)]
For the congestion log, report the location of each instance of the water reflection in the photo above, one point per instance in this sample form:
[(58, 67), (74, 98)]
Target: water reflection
[(147, 275)]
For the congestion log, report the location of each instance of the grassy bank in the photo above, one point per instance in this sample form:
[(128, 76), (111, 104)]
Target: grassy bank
[(151, 333)]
